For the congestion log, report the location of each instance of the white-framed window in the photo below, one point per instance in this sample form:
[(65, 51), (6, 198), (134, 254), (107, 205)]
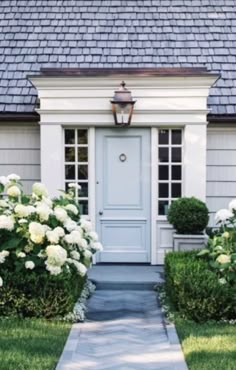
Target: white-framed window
[(170, 171), (76, 163)]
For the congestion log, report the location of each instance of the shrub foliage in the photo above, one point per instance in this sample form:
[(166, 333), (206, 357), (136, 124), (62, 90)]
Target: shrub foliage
[(188, 215), (45, 250), (195, 290)]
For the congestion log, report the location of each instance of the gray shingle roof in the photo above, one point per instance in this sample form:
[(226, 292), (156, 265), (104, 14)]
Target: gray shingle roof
[(118, 33)]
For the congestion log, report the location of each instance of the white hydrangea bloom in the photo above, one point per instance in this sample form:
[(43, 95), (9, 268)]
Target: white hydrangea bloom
[(3, 255), (21, 210), (72, 208), (41, 254), (60, 231), (93, 235), (56, 255), (54, 270), (83, 244), (13, 177), (97, 246), (46, 228), (76, 236), (70, 225), (52, 237), (6, 222), (82, 270), (223, 215), (232, 205), (87, 254), (21, 255), (44, 212), (31, 209), (75, 255), (3, 203), (78, 228), (61, 214), (1, 282), (73, 185), (4, 180), (223, 258), (13, 191), (222, 281), (37, 232), (39, 189), (22, 221), (29, 265), (69, 239), (86, 225)]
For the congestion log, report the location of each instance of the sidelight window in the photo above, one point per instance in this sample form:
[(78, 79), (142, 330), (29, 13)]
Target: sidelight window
[(76, 164), (169, 167)]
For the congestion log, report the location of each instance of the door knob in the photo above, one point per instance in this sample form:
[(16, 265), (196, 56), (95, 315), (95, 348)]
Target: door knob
[(100, 213)]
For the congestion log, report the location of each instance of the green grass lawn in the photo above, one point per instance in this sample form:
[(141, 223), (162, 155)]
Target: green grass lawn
[(31, 344), (209, 346)]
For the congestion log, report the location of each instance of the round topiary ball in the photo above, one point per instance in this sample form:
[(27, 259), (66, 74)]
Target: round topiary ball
[(188, 215)]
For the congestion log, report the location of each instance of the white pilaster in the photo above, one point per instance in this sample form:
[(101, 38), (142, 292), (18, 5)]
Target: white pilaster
[(194, 166), (52, 158)]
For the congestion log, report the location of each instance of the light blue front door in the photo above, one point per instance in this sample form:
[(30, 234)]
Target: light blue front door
[(123, 194)]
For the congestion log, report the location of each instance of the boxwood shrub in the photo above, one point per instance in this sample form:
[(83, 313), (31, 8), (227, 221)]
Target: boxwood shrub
[(188, 215), (39, 295), (194, 289)]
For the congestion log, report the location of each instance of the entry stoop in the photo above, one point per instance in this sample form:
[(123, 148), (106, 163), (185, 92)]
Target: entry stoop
[(126, 277)]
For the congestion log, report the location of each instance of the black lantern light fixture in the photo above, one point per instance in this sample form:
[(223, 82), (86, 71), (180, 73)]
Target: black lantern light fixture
[(122, 106)]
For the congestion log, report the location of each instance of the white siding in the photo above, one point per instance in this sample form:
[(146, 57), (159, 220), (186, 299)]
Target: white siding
[(20, 153), (221, 168)]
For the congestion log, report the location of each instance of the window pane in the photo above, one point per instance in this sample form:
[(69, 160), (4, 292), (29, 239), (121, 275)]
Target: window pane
[(163, 154), (163, 173), (176, 137), (163, 207), (69, 136), (83, 205), (163, 137), (70, 154), (83, 172), (70, 172), (82, 154), (83, 193), (176, 154), (163, 190), (176, 173), (82, 136), (175, 190)]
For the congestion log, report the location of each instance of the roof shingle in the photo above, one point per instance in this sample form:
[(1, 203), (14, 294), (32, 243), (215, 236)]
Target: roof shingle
[(39, 34)]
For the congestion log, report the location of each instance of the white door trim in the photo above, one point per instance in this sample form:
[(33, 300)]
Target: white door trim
[(154, 156)]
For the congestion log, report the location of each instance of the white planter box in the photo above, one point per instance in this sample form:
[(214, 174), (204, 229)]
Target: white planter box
[(189, 242)]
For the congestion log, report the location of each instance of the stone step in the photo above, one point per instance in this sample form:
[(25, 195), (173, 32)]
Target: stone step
[(126, 277), (120, 285)]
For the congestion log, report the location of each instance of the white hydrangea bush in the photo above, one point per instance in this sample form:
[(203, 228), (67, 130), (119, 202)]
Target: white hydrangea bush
[(221, 250), (39, 234)]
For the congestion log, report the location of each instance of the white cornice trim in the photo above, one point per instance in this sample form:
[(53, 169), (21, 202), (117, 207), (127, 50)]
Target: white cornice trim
[(101, 111), (49, 83)]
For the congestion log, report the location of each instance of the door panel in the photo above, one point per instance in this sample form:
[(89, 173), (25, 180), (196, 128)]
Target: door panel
[(123, 194)]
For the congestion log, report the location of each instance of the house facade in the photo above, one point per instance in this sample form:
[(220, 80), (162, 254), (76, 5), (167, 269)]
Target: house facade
[(60, 65)]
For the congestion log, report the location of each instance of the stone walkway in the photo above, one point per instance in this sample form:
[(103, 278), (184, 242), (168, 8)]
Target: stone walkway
[(124, 330)]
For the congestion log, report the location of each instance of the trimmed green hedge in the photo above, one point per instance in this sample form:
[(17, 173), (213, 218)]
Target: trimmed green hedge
[(44, 295), (194, 289)]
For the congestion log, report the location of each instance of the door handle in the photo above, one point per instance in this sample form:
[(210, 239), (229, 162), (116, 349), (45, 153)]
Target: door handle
[(100, 213)]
